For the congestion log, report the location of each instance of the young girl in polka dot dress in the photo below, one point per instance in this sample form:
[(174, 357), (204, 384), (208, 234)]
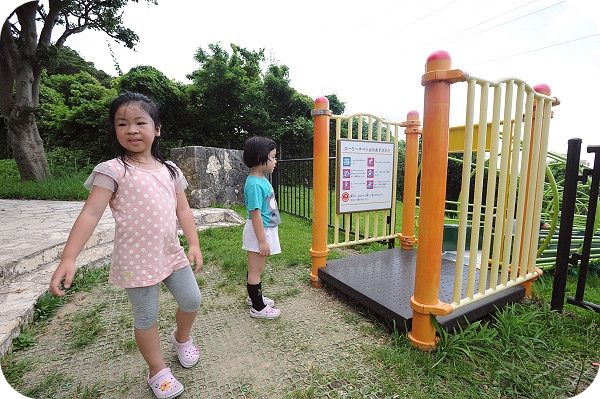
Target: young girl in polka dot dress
[(146, 196)]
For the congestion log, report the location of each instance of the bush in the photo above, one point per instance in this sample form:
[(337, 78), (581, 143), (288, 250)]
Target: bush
[(8, 169), (65, 162)]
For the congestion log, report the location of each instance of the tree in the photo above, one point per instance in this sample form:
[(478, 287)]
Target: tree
[(69, 62), (227, 95), (24, 55), (290, 123), (73, 114)]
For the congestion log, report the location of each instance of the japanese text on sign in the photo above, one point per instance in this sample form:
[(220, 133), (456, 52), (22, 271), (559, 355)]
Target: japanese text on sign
[(365, 173)]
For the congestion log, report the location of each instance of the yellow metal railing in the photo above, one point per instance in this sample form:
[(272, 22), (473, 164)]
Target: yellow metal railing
[(363, 227), (515, 178)]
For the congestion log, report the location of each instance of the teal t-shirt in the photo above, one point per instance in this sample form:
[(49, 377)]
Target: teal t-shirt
[(259, 194)]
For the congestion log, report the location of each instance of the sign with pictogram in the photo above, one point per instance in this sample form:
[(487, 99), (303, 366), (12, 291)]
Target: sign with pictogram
[(365, 175)]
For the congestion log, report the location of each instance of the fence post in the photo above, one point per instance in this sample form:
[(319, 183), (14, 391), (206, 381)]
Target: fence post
[(436, 124), (567, 211), (319, 250), (411, 165)]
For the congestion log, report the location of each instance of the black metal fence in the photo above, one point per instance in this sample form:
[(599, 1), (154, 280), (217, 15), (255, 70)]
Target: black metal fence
[(292, 181), (564, 257)]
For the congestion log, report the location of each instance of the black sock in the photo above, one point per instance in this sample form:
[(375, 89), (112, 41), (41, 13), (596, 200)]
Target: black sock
[(255, 294)]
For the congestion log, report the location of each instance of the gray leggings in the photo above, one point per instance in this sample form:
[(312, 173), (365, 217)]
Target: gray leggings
[(144, 300)]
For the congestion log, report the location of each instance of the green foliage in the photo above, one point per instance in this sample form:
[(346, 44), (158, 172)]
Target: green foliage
[(227, 94), (8, 170), (73, 114), (471, 341), (64, 162), (87, 326), (67, 61), (14, 370), (46, 306), (88, 277), (68, 171), (24, 341), (289, 122)]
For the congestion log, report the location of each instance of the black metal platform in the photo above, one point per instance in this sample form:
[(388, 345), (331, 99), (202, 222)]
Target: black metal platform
[(384, 281)]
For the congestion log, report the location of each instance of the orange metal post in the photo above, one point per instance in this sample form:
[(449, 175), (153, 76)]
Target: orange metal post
[(319, 250), (436, 121), (411, 165)]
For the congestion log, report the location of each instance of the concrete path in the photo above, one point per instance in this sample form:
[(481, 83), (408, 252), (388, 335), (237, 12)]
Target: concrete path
[(32, 236)]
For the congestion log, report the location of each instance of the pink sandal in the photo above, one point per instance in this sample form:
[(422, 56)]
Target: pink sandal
[(187, 353), (164, 385)]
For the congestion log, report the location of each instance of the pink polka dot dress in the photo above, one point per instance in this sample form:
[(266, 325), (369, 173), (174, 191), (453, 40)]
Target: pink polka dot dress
[(147, 247)]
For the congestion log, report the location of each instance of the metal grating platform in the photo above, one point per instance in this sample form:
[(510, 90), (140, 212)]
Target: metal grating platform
[(383, 282)]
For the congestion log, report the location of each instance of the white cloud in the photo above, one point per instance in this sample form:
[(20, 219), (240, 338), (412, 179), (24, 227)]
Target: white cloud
[(373, 56)]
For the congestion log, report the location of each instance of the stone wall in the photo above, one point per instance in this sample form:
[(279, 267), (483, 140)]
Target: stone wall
[(216, 176)]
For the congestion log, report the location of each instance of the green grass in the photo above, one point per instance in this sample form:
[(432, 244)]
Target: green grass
[(87, 326), (524, 350), (62, 186)]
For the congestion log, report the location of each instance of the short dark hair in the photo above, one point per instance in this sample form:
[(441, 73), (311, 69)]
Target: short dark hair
[(257, 149)]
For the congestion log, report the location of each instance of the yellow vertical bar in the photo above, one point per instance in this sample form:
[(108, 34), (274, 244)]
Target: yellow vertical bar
[(394, 183), (478, 194), (505, 233), (491, 184), (522, 198), (464, 196), (336, 222), (514, 178), (319, 250), (543, 114)]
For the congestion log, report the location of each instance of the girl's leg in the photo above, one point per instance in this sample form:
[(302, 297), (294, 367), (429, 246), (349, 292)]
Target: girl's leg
[(144, 302), (148, 343), (184, 288), (184, 324), (256, 266)]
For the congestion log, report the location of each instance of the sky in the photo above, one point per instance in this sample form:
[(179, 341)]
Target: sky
[(373, 56)]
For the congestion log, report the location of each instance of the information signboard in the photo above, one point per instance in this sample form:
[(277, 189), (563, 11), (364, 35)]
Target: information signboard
[(365, 175)]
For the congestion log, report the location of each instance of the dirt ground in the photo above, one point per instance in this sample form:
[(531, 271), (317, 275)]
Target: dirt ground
[(313, 350)]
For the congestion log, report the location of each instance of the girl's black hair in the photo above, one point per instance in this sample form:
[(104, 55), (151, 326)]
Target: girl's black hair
[(257, 150), (150, 108)]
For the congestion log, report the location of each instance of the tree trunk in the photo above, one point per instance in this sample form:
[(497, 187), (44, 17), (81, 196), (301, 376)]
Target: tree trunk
[(26, 143), (17, 64)]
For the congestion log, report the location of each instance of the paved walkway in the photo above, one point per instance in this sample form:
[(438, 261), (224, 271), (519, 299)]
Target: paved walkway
[(32, 236), (304, 353)]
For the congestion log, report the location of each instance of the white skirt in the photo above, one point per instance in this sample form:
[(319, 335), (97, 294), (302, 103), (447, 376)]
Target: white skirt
[(250, 242)]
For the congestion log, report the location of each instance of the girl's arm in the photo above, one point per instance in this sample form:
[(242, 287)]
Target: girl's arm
[(259, 230), (188, 225), (82, 230)]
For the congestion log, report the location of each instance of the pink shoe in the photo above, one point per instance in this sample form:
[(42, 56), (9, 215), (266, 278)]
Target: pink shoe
[(186, 352), (164, 385), (267, 313), (266, 301)]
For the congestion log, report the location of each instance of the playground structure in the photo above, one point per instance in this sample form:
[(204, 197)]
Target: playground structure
[(502, 196)]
